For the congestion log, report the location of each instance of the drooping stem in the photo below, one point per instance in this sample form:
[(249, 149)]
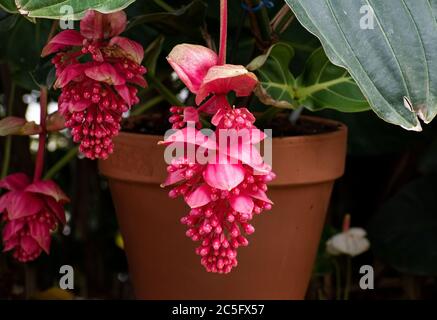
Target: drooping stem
[(163, 90), (223, 31), (39, 164), (61, 163), (146, 106), (8, 142), (337, 279), (164, 5), (348, 277)]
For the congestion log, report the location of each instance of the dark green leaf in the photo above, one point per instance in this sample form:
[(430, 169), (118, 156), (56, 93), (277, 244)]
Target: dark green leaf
[(276, 83), (324, 85), (404, 232), (151, 54), (186, 20), (52, 8), (397, 59), (9, 6)]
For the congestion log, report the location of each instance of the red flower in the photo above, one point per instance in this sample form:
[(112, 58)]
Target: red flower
[(226, 191), (31, 211), (95, 94)]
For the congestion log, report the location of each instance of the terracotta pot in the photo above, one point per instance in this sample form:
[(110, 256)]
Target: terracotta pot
[(278, 262)]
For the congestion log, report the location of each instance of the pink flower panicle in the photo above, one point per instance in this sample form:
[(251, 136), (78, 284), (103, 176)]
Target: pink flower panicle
[(220, 218), (31, 212), (223, 196), (96, 93)]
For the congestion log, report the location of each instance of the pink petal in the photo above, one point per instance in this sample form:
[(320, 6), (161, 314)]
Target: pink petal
[(244, 152), (70, 73), (29, 245), (259, 195), (191, 63), (16, 181), (139, 81), (224, 176), (199, 197), (124, 92), (222, 79), (173, 177), (12, 228), (57, 209), (105, 73), (133, 50), (10, 244), (214, 104), (190, 135), (242, 203), (48, 188), (22, 204), (62, 40), (4, 200), (41, 234), (79, 106), (191, 114), (96, 25)]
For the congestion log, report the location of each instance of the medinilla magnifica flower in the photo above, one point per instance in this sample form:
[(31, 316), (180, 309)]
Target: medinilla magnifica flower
[(225, 192), (97, 71), (30, 211)]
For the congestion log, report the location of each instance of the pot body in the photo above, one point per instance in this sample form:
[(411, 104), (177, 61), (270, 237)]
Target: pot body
[(278, 262)]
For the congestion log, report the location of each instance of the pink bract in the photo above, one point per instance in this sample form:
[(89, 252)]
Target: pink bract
[(31, 211), (198, 68)]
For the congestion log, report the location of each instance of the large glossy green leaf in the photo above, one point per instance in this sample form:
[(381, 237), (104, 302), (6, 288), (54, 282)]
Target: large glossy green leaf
[(404, 232), (52, 8), (324, 85), (321, 85), (394, 63), (276, 82), (8, 5)]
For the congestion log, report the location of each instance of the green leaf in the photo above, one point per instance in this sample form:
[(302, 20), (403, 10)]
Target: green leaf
[(51, 9), (324, 85), (8, 6), (151, 54), (276, 82), (395, 59), (8, 22), (404, 232), (186, 20)]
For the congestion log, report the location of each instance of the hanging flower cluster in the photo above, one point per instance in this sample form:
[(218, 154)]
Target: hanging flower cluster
[(229, 189), (30, 211), (97, 71)]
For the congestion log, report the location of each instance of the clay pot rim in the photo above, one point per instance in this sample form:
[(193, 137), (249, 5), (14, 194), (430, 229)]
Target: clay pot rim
[(339, 130)]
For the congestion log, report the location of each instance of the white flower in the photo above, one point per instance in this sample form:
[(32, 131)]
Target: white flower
[(352, 242)]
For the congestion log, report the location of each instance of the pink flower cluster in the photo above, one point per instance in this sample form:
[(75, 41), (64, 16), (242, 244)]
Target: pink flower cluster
[(97, 71), (31, 211), (226, 193)]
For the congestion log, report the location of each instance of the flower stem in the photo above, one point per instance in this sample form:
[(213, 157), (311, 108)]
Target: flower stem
[(348, 277), (146, 106), (164, 5), (223, 31), (8, 142), (39, 165), (163, 90), (337, 279), (61, 163)]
